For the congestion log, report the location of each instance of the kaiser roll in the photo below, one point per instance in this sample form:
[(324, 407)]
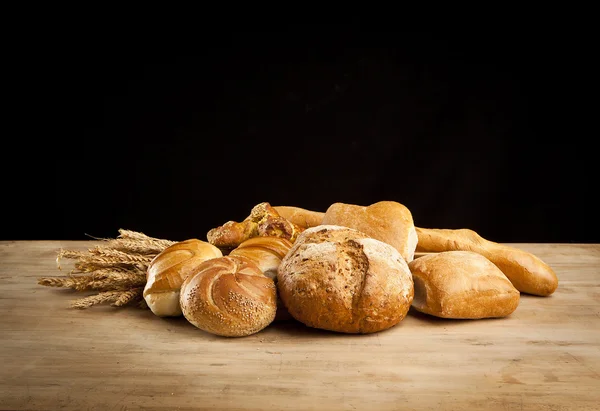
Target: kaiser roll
[(169, 269), (229, 296)]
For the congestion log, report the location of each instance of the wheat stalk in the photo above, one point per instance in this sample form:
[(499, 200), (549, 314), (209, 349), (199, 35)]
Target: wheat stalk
[(142, 247), (144, 239), (65, 282), (121, 256), (115, 269), (103, 297)]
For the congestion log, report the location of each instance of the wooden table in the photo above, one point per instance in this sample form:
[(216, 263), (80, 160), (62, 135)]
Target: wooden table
[(545, 356)]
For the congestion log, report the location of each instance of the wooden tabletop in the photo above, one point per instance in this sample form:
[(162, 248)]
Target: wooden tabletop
[(545, 356)]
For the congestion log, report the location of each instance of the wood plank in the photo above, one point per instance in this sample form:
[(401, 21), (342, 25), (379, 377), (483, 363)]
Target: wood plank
[(545, 356)]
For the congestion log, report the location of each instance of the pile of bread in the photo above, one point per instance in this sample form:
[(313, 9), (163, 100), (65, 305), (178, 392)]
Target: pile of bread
[(350, 269)]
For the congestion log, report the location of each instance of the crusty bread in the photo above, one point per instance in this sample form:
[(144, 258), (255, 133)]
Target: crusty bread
[(300, 216), (229, 296), (461, 285), (387, 221), (525, 271), (267, 253), (169, 269), (337, 278)]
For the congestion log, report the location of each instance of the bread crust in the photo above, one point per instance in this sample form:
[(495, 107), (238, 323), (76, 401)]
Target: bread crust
[(167, 271), (387, 221), (229, 296), (339, 279), (528, 273), (462, 285), (300, 216), (267, 253)]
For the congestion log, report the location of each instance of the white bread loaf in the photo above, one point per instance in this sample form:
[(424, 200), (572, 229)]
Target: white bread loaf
[(461, 285)]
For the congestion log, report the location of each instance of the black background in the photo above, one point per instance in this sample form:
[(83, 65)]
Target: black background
[(483, 131)]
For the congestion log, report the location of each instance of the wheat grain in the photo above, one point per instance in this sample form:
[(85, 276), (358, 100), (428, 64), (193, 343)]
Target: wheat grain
[(120, 256), (103, 297), (141, 237), (122, 283), (128, 296), (144, 247), (117, 272), (79, 283)]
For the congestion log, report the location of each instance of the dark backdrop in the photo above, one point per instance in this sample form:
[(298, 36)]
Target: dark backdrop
[(478, 131)]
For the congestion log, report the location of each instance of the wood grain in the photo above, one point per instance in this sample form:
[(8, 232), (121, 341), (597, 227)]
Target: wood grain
[(545, 356)]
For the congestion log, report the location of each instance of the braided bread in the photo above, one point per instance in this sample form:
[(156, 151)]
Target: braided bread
[(263, 221)]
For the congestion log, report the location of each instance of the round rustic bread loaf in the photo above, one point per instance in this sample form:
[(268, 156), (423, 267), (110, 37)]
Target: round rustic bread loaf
[(339, 279)]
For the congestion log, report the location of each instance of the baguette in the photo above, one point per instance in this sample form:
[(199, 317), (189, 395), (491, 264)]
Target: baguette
[(300, 216), (526, 272)]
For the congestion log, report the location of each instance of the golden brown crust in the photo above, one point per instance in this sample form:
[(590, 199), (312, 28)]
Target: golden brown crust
[(169, 269), (387, 221), (339, 279), (300, 216), (267, 253), (229, 296), (263, 221), (527, 273), (462, 285)]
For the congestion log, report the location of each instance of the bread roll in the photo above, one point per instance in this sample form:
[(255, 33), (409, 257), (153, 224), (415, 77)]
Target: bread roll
[(169, 269), (525, 271), (337, 278), (387, 221), (267, 253), (461, 285), (229, 296), (300, 216)]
